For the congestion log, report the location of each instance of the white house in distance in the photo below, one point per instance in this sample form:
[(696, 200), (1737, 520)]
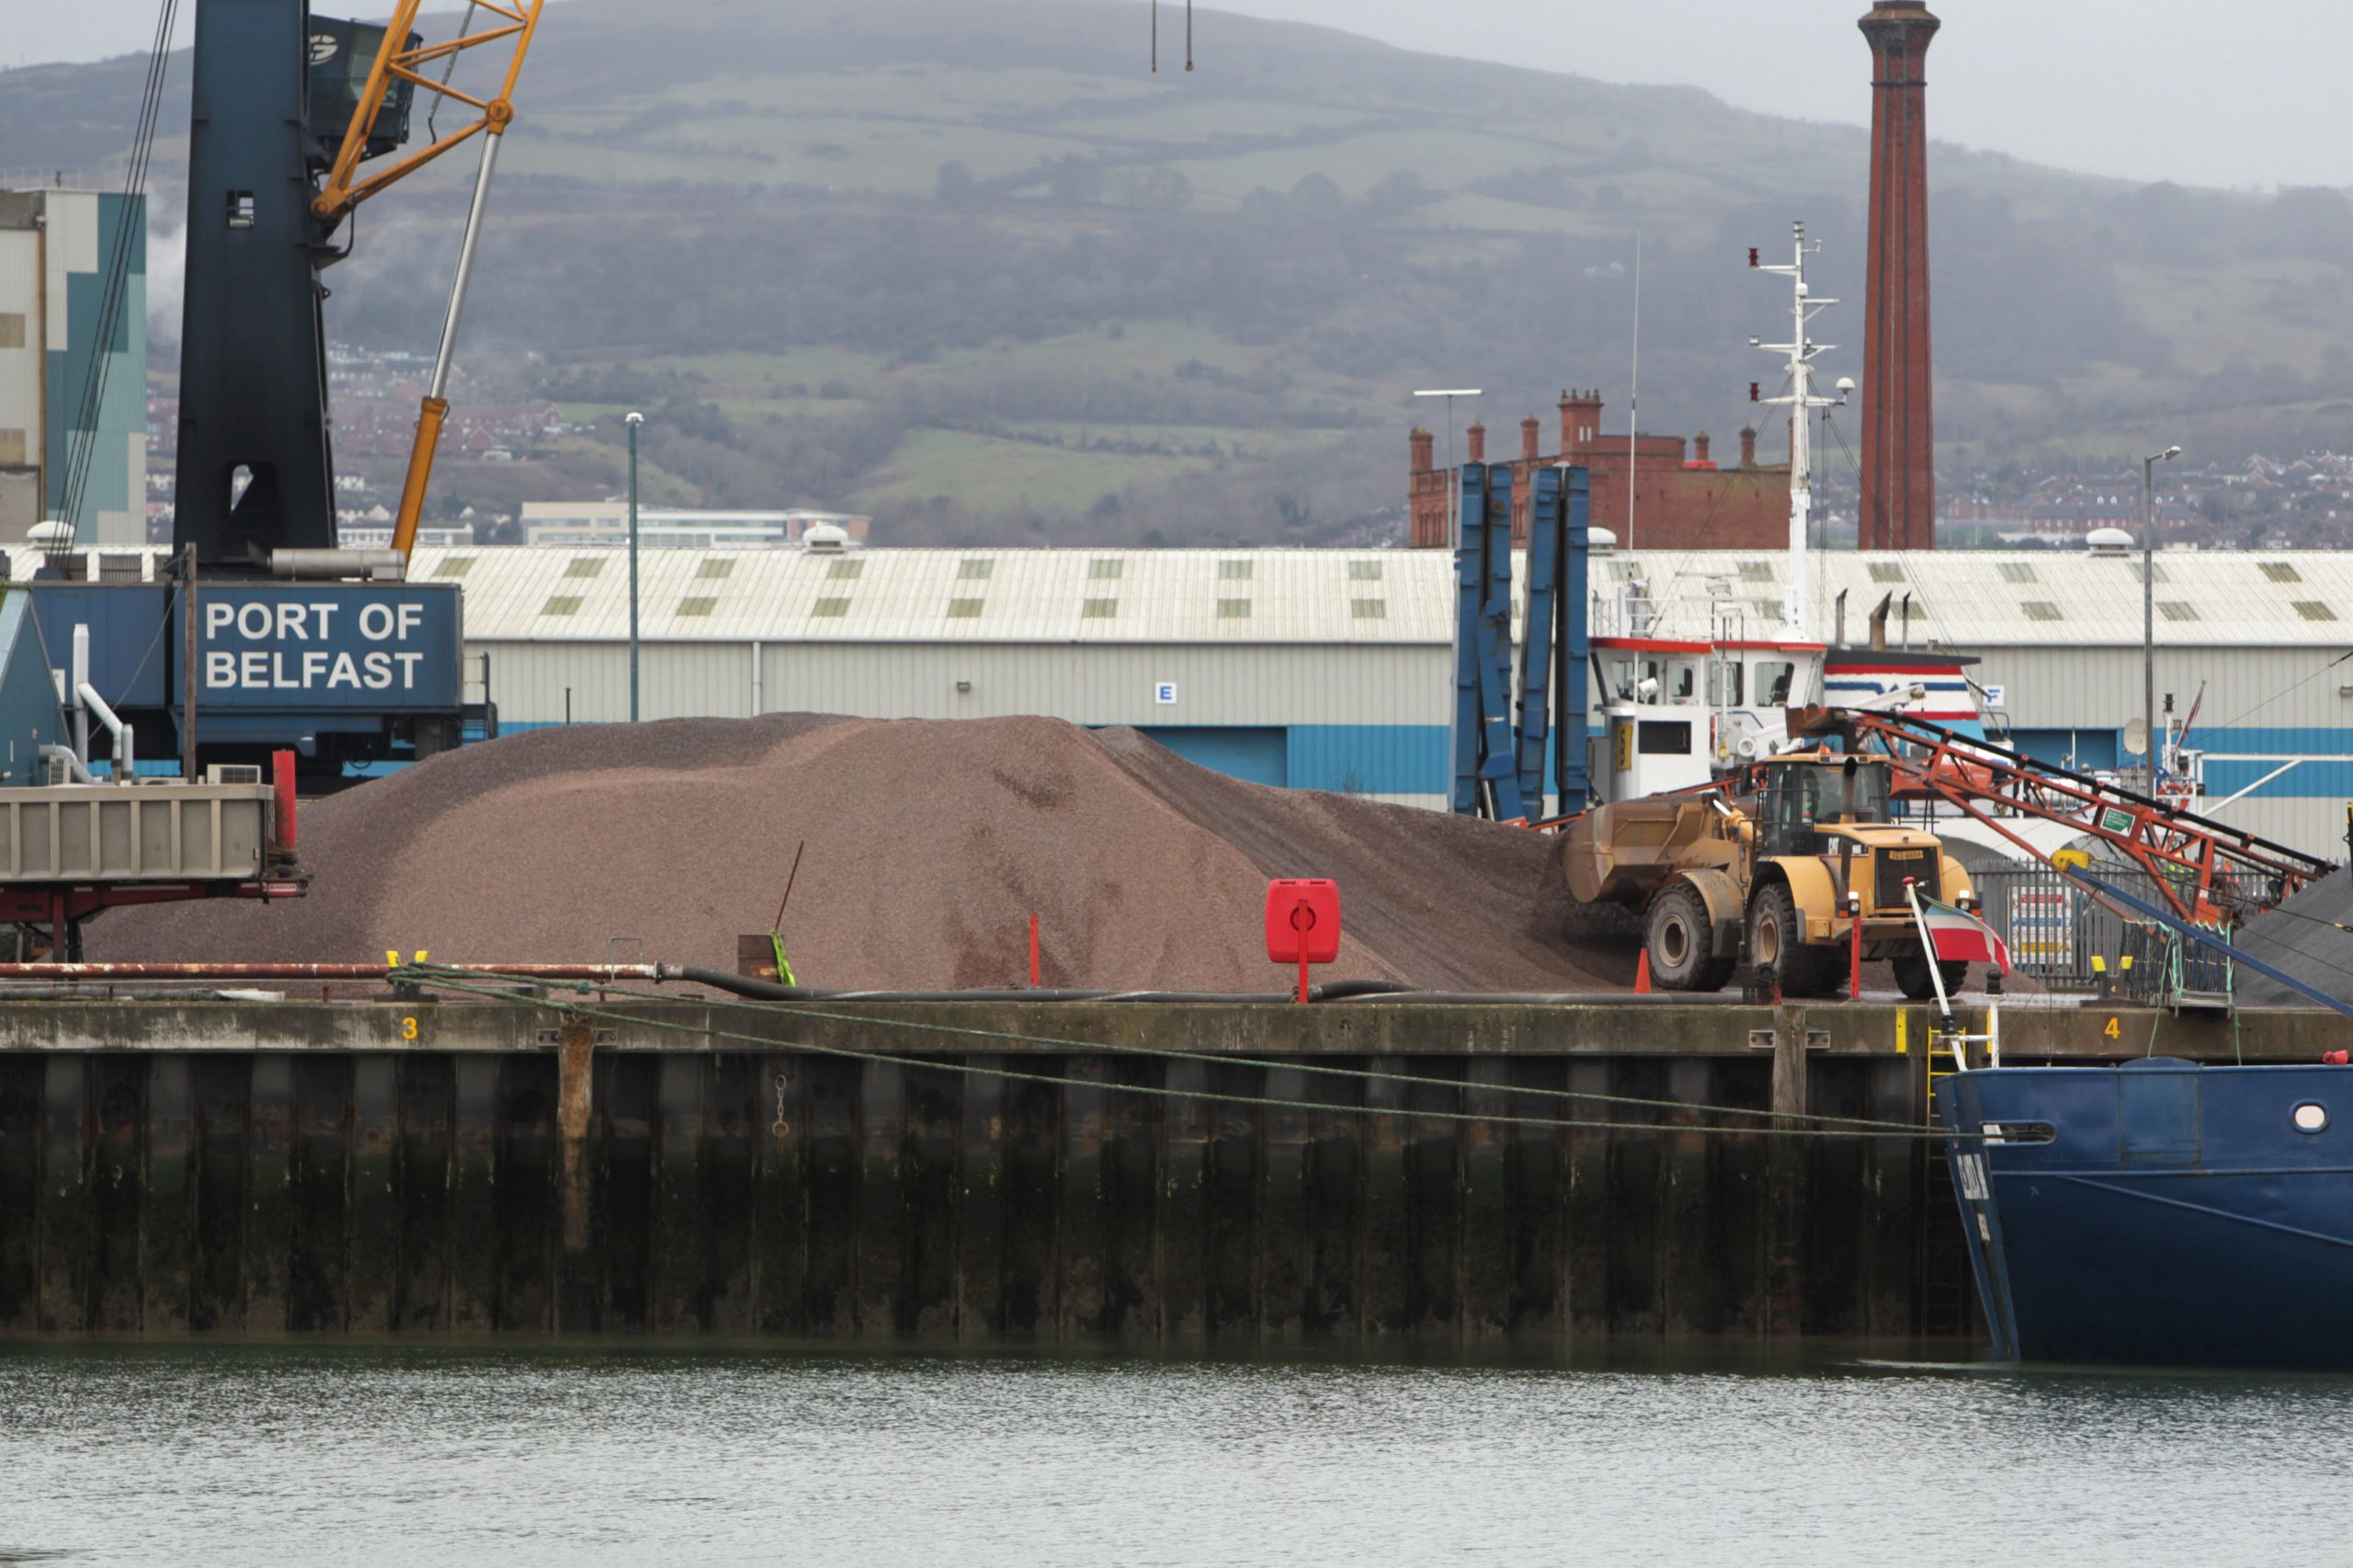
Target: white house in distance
[(575, 524)]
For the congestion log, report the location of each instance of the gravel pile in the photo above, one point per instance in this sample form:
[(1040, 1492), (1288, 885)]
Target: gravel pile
[(930, 844), (2303, 937)]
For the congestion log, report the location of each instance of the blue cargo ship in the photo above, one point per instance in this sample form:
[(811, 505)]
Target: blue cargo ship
[(2158, 1212)]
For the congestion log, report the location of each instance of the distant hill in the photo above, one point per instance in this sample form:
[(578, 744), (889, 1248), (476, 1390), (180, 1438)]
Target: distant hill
[(977, 270)]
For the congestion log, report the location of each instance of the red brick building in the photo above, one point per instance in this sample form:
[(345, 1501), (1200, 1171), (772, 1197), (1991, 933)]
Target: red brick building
[(1682, 500)]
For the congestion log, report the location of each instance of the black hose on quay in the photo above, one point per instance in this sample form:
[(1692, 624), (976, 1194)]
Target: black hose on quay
[(769, 991)]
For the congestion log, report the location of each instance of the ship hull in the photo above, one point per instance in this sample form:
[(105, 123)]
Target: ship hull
[(2176, 1215)]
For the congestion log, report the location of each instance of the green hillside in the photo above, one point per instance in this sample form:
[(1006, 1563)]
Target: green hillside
[(977, 270)]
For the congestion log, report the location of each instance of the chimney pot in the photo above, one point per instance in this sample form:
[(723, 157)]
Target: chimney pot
[(1748, 446), (1531, 435), (1477, 438), (1580, 420)]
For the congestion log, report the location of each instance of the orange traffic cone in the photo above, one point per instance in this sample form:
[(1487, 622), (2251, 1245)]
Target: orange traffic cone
[(1643, 973)]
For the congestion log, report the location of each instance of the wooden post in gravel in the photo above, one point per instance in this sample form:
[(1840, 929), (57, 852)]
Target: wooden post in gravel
[(576, 1080)]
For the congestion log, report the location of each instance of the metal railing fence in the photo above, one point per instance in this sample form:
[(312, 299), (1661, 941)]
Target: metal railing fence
[(2055, 928)]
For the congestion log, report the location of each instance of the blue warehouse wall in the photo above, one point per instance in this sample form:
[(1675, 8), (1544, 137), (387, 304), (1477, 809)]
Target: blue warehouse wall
[(1350, 760), (1368, 759), (2250, 754), (1255, 752), (2236, 759), (2085, 751)]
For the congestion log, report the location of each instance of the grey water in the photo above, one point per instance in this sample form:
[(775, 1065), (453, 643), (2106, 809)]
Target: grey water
[(284, 1454)]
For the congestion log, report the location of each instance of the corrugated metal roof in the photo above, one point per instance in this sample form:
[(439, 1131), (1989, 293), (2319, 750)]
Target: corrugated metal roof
[(987, 596), (1992, 598), (1964, 598)]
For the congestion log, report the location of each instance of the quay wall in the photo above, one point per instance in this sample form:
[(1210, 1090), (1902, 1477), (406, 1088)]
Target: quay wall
[(681, 1169)]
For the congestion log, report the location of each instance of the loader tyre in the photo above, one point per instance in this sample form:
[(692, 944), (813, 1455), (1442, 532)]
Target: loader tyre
[(1680, 940), (1777, 937), (1911, 968)]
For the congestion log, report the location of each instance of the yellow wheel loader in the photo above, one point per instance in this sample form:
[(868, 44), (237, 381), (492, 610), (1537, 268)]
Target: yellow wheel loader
[(1784, 862)]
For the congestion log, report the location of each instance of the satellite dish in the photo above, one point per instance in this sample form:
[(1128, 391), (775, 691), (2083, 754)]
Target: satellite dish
[(2136, 736)]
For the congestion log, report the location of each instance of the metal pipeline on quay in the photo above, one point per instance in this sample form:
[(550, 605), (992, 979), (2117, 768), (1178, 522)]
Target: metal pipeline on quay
[(538, 1155)]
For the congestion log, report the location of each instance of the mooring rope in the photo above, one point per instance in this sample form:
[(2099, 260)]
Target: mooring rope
[(1847, 1126), (1367, 1075)]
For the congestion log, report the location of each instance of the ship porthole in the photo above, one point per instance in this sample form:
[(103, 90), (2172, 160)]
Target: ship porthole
[(2311, 1117)]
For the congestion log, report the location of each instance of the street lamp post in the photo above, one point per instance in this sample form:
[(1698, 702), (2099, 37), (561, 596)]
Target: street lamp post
[(2152, 740), (634, 421)]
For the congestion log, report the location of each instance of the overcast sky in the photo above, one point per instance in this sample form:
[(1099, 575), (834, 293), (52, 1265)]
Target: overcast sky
[(2203, 92), (2246, 93)]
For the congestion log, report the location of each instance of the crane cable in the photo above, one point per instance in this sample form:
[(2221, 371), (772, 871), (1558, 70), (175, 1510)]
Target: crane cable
[(448, 69), (79, 454)]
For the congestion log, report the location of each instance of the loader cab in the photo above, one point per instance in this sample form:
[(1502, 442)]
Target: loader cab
[(1802, 795)]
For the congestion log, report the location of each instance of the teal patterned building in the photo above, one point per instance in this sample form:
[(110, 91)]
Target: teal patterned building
[(73, 365)]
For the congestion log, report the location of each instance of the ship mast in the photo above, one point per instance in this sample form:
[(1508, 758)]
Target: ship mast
[(1801, 401)]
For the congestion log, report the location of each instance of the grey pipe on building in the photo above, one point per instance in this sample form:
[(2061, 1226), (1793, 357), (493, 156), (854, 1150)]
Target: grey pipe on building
[(380, 565), (75, 767), (78, 678), (125, 760)]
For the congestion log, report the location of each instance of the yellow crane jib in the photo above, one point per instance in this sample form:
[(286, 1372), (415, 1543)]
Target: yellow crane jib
[(516, 22)]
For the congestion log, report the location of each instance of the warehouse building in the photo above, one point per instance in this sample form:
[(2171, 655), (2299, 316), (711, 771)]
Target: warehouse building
[(1332, 669), (74, 364)]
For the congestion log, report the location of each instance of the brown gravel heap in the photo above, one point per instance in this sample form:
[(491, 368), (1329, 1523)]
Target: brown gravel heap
[(930, 844)]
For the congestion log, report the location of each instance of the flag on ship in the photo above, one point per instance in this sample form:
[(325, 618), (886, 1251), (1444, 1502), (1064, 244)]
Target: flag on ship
[(1959, 936)]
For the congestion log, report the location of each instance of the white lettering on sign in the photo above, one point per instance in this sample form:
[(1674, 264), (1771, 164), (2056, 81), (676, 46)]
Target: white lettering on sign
[(379, 623), (290, 657)]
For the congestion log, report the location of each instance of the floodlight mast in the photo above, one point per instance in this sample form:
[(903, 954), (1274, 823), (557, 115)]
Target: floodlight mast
[(1801, 399)]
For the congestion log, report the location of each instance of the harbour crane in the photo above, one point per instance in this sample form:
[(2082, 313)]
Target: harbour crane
[(291, 104), (2205, 869), (395, 75)]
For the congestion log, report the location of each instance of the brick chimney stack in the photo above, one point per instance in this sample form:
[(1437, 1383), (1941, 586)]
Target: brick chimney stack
[(1531, 437), (1699, 448), (1477, 437), (1427, 489), (1580, 420), (1899, 476), (1748, 446)]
